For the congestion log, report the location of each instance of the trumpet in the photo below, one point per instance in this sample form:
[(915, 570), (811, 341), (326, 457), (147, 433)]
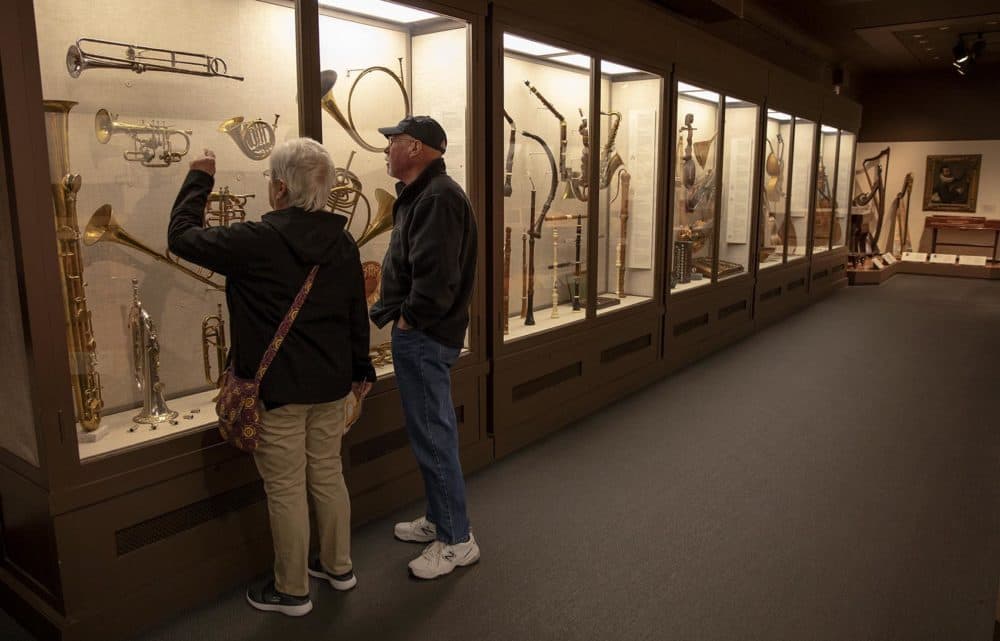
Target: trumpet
[(142, 59), (224, 208), (103, 227), (146, 139), (255, 139), (213, 338), (328, 78)]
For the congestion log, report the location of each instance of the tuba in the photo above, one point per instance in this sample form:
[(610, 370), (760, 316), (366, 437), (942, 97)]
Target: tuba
[(146, 139), (255, 139), (213, 338), (224, 208), (328, 78), (104, 227), (86, 381), (383, 218), (141, 59)]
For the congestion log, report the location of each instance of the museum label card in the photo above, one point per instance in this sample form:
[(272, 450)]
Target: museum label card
[(914, 257), (889, 258), (944, 259), (976, 261)]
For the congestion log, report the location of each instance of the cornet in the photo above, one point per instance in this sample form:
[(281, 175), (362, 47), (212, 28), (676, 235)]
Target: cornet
[(141, 59), (213, 338), (224, 208), (146, 140), (255, 139)]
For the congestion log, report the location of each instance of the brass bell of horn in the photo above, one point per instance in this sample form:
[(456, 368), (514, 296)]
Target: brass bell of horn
[(382, 221)]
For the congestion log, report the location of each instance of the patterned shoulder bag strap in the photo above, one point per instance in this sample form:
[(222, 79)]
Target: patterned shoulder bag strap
[(286, 325)]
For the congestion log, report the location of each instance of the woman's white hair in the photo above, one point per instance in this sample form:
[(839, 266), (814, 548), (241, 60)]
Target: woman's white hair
[(306, 169)]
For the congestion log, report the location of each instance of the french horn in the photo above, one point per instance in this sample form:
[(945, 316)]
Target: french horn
[(224, 208), (147, 139), (346, 195), (382, 222), (255, 139), (141, 59), (328, 78)]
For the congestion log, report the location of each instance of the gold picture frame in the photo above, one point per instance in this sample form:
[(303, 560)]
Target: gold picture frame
[(952, 183)]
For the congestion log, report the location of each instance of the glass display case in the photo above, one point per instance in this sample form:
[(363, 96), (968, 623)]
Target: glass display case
[(739, 161), (627, 186), (699, 116), (713, 187), (842, 191), (126, 110), (824, 233), (800, 187), (774, 219)]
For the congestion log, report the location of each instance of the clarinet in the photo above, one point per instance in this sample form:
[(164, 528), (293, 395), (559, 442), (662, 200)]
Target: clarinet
[(506, 281), (529, 318), (535, 231), (509, 168), (576, 269), (555, 272), (624, 178), (524, 275)]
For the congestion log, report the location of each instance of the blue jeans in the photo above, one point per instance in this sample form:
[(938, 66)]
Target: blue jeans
[(423, 374)]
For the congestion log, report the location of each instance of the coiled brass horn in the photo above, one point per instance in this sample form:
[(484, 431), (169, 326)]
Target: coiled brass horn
[(141, 59), (103, 227), (146, 139), (346, 195), (383, 218), (328, 78), (223, 208), (255, 139)]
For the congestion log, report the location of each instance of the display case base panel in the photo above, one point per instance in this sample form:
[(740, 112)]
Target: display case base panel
[(118, 432)]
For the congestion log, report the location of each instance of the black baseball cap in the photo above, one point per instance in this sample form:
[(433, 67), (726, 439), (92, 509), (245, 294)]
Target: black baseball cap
[(423, 128)]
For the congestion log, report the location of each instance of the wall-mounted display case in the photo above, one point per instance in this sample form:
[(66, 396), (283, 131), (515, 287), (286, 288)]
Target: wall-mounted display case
[(845, 183), (560, 180), (713, 187), (800, 187)]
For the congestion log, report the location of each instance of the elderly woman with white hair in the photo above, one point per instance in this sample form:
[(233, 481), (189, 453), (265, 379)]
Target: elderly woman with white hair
[(322, 360)]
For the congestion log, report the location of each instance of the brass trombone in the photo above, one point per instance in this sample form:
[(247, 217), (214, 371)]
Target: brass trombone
[(328, 79), (146, 139), (142, 59), (104, 227), (255, 139)]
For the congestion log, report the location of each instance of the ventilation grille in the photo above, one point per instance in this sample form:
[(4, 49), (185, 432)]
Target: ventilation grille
[(383, 444), (771, 293), (162, 527), (735, 308), (690, 324), (536, 385), (634, 345), (839, 267), (822, 274), (795, 284)]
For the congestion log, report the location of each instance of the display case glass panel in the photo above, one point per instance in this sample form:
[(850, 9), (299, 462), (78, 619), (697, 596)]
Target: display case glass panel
[(695, 183), (627, 177), (127, 134), (800, 188), (738, 165), (372, 70), (774, 191), (826, 167), (546, 102), (845, 179)]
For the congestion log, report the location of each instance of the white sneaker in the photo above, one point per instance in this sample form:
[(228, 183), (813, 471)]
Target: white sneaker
[(419, 531), (439, 558)]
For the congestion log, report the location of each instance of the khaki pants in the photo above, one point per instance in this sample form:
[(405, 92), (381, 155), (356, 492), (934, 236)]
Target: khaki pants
[(300, 448)]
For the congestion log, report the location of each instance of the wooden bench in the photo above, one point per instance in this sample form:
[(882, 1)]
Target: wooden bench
[(963, 223)]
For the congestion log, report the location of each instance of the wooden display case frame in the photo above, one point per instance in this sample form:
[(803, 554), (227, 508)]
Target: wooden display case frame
[(103, 548)]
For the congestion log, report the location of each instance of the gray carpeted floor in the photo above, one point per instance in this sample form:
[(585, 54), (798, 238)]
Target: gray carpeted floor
[(832, 477)]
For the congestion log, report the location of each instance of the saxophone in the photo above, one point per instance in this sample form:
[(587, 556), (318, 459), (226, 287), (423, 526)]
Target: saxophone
[(86, 382)]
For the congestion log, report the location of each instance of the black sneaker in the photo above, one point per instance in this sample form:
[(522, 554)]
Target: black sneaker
[(268, 599), (342, 582)]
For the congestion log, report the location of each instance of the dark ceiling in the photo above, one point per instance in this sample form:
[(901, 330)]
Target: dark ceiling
[(814, 37)]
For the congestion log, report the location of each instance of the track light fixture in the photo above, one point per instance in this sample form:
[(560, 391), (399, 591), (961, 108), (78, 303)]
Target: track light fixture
[(964, 54)]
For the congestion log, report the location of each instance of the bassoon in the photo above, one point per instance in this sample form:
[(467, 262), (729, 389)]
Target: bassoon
[(506, 280), (529, 318), (509, 167)]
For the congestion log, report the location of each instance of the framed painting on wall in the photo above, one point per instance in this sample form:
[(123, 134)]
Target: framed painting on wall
[(952, 183)]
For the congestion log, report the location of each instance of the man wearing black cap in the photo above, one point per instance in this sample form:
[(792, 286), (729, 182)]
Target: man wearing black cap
[(427, 278)]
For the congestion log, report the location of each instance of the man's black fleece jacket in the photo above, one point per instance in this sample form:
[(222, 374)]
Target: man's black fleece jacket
[(265, 264), (430, 267)]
